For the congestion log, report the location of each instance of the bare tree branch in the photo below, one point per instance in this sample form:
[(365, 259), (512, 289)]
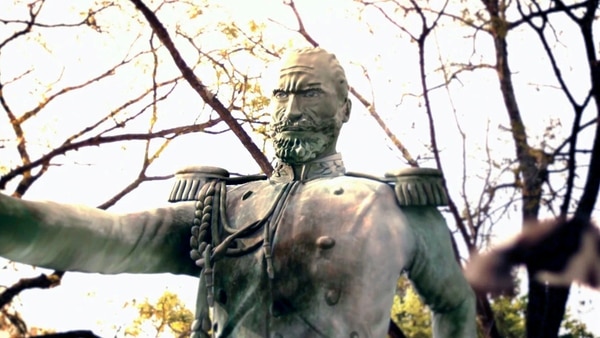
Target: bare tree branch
[(367, 104), (95, 141), (43, 281), (34, 10), (201, 89), (592, 184), (69, 334)]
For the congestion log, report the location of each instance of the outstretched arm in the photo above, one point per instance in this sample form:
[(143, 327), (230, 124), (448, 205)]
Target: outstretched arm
[(438, 277), (78, 238)]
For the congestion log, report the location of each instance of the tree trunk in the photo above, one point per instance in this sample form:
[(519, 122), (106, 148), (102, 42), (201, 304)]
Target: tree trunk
[(546, 306)]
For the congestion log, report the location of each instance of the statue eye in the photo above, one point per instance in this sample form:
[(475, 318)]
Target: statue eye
[(312, 93), (280, 94)]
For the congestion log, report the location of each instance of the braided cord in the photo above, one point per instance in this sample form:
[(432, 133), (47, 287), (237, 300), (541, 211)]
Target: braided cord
[(210, 224)]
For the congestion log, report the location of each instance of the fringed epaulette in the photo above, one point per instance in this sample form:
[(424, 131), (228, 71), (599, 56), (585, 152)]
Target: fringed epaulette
[(418, 186), (189, 180)]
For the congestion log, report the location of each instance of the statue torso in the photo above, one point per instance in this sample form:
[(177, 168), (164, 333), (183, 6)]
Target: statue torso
[(338, 246)]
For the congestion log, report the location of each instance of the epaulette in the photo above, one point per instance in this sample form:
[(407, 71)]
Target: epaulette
[(189, 181), (413, 186), (418, 186)]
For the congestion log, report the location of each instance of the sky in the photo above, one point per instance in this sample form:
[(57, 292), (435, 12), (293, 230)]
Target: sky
[(89, 177)]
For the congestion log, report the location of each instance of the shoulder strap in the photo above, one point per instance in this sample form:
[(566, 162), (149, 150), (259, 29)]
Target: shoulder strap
[(189, 180), (413, 186), (419, 187)]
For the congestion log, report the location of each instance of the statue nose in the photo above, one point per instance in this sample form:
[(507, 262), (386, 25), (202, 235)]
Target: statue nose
[(292, 109)]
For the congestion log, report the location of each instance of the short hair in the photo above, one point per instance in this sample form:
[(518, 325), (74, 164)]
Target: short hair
[(331, 62)]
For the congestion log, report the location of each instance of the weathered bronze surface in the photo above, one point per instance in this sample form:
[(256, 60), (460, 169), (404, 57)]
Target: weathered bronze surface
[(312, 251)]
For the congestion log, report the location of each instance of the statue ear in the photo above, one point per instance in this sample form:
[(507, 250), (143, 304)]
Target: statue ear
[(347, 109)]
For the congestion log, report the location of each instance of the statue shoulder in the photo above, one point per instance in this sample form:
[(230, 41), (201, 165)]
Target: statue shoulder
[(189, 180), (413, 186)]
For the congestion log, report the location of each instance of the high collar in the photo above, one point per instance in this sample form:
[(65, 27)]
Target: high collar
[(329, 166)]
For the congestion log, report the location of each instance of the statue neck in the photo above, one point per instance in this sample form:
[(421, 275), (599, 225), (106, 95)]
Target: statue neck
[(329, 166)]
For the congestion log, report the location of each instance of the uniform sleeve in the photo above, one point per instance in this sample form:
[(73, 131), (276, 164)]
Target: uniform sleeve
[(437, 276), (77, 238)]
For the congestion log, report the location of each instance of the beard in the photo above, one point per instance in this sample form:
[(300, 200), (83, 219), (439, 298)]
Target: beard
[(300, 148), (302, 142)]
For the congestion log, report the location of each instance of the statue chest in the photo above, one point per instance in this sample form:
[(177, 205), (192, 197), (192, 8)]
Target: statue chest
[(322, 239), (314, 230)]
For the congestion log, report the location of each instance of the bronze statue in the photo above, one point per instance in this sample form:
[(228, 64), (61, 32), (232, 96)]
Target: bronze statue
[(311, 251)]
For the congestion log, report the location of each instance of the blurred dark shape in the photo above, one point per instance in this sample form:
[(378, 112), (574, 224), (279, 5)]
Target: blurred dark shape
[(557, 252)]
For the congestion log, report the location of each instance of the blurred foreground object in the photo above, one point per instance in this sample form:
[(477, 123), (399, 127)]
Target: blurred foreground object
[(558, 251)]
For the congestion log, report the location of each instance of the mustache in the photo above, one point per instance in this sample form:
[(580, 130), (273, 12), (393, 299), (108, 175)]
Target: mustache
[(299, 125), (304, 124)]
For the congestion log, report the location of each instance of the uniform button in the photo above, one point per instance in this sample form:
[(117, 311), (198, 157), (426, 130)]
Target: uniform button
[(332, 296), (325, 242)]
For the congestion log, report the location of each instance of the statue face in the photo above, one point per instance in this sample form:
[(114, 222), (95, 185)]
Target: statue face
[(309, 110)]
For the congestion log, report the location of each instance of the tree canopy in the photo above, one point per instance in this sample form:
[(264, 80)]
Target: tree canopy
[(168, 315)]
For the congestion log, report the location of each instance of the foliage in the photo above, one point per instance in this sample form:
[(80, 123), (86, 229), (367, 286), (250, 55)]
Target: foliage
[(167, 315), (414, 318), (409, 312), (509, 313), (575, 328), (12, 325)]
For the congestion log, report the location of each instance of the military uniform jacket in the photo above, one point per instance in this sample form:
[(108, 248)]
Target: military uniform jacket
[(323, 263)]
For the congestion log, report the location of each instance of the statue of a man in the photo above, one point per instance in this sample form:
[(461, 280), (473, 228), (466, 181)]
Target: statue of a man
[(309, 252)]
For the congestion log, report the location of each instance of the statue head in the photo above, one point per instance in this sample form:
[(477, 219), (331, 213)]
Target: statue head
[(311, 104)]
